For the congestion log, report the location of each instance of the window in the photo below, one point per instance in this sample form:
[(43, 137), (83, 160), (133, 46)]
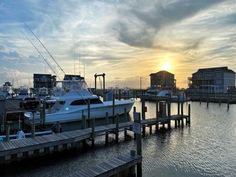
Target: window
[(95, 101), (84, 102), (78, 102)]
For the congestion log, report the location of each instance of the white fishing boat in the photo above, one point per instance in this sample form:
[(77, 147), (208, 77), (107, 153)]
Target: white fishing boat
[(72, 101)]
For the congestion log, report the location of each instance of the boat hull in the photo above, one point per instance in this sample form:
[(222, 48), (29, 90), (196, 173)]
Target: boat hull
[(96, 111)]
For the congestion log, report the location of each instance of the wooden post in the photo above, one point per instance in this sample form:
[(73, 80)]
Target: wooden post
[(182, 113), (189, 114), (119, 94), (132, 168), (178, 109), (83, 120), (95, 84), (227, 104), (117, 128), (157, 115), (44, 112), (88, 112), (84, 126), (143, 115), (125, 114), (33, 126), (113, 109), (104, 83), (169, 114), (126, 118), (134, 110), (107, 133), (8, 132), (150, 129), (3, 117), (93, 131), (139, 146)]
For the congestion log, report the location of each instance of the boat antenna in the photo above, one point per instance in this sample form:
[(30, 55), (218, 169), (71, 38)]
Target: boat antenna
[(45, 48), (41, 55)]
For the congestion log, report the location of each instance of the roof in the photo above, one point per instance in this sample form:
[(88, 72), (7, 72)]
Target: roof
[(225, 69), (161, 72)]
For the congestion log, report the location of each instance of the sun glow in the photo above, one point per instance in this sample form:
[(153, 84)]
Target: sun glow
[(166, 66)]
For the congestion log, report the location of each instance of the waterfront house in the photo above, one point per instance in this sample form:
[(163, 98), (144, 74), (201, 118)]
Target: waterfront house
[(163, 80), (212, 80)]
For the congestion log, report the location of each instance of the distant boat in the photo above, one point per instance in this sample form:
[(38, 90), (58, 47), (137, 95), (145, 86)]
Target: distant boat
[(153, 93), (6, 91), (73, 101), (23, 92)]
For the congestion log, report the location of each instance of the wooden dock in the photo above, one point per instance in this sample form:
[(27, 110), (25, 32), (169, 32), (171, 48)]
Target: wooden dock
[(123, 165), (24, 148)]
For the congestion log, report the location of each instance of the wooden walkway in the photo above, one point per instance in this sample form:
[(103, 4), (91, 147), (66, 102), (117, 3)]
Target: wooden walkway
[(123, 165), (23, 148)]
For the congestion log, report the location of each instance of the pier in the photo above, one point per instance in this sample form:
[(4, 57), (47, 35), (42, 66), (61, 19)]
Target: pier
[(123, 165), (40, 145)]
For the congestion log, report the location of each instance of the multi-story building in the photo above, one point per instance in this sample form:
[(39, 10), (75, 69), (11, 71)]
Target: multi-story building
[(163, 79), (44, 81), (212, 80)]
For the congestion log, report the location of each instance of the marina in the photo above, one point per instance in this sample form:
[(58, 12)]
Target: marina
[(117, 89), (15, 149)]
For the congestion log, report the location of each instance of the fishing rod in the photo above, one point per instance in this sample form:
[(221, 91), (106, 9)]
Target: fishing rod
[(45, 48), (41, 55)]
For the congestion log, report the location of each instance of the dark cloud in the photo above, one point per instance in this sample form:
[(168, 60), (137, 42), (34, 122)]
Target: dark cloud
[(139, 24)]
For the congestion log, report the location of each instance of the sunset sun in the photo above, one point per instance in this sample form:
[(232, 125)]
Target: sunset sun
[(166, 66)]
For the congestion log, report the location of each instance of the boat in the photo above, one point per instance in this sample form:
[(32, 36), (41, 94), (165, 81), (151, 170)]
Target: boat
[(23, 92), (162, 94), (72, 102), (6, 91)]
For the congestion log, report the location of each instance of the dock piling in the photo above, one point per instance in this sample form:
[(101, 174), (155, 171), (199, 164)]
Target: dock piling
[(169, 113), (143, 114), (8, 133), (107, 133), (117, 128), (157, 115), (139, 145), (33, 126), (189, 113)]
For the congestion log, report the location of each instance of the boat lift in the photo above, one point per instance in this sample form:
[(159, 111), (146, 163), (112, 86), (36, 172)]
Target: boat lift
[(103, 79)]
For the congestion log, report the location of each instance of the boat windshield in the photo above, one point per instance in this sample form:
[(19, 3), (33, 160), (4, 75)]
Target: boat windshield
[(57, 106), (84, 102), (76, 86)]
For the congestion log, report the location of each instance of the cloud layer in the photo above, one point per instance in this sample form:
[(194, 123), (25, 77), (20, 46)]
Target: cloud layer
[(125, 39)]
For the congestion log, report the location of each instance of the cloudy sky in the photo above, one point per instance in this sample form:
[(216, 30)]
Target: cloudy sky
[(124, 39)]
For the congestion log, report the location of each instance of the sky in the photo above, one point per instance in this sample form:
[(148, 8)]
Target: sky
[(126, 39)]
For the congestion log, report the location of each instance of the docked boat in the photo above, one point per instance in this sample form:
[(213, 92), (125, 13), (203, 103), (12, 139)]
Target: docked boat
[(23, 92), (73, 100)]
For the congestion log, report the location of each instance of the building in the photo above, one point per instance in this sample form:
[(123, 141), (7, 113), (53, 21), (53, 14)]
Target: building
[(73, 77), (163, 79), (44, 81), (212, 80)]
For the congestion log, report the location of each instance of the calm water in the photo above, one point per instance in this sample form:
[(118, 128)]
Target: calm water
[(206, 148)]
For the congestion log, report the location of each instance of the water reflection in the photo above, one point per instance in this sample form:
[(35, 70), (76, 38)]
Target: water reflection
[(206, 148)]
